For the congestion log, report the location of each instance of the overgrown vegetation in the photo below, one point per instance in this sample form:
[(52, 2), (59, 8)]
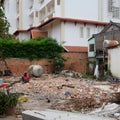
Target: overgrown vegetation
[(4, 24), (38, 48), (32, 49), (58, 63), (7, 100)]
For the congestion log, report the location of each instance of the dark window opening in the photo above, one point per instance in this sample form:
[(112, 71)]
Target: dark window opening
[(91, 47), (58, 2)]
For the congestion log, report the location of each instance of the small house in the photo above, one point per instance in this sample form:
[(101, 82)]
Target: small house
[(98, 44)]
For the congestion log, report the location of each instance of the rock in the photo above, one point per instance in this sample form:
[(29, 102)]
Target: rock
[(35, 70)]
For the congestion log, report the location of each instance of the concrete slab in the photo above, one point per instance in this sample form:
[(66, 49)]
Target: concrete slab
[(59, 115)]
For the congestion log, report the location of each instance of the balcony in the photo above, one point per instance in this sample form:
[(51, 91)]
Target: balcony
[(47, 11)]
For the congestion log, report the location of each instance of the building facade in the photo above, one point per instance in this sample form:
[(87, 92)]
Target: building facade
[(70, 22)]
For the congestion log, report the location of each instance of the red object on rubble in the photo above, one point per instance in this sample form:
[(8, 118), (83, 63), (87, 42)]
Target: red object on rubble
[(4, 84), (25, 78)]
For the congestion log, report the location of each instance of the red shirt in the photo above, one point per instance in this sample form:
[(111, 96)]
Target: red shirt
[(26, 76)]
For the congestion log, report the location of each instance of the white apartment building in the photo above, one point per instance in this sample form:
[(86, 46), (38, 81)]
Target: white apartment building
[(71, 22)]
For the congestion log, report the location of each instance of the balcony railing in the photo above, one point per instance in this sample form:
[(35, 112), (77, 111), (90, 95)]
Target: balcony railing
[(47, 10)]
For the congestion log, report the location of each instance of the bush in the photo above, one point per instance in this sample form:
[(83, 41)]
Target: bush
[(58, 63), (7, 100), (33, 49)]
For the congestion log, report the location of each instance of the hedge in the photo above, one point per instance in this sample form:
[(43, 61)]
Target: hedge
[(32, 49)]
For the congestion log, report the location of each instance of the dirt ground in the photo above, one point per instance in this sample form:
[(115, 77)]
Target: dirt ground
[(62, 93)]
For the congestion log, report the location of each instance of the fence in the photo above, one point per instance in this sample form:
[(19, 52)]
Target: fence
[(75, 61)]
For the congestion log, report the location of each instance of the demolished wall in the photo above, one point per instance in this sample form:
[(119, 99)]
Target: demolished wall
[(75, 61)]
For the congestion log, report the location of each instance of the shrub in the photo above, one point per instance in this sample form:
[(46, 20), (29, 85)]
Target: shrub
[(33, 49), (7, 100), (58, 63)]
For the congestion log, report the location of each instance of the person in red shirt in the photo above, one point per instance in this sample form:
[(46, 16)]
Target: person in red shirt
[(25, 78)]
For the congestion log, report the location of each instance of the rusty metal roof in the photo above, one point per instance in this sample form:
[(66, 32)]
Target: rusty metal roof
[(76, 49)]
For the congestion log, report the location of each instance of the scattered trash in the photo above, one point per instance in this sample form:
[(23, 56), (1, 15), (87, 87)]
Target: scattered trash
[(23, 98), (67, 93)]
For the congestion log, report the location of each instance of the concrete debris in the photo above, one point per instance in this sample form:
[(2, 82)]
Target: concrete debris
[(112, 79), (49, 114), (109, 109), (70, 73), (74, 94)]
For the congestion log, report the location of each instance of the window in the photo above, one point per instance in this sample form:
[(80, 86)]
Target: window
[(36, 14), (81, 32), (17, 23), (30, 4), (113, 8), (42, 14), (58, 2), (91, 47), (17, 1), (88, 32), (17, 6), (50, 7), (115, 12), (110, 4)]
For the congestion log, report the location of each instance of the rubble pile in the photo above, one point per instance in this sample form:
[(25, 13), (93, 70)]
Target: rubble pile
[(64, 93), (84, 98)]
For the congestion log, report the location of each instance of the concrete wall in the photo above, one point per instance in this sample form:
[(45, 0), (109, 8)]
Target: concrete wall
[(114, 61), (75, 61)]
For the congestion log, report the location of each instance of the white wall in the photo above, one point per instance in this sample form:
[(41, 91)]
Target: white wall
[(85, 9), (25, 15), (56, 32), (114, 61), (23, 36), (11, 14), (72, 34)]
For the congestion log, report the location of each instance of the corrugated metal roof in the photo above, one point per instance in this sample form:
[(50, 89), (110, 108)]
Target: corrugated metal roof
[(76, 49)]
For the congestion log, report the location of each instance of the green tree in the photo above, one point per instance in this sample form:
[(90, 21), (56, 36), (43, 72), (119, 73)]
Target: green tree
[(4, 24)]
